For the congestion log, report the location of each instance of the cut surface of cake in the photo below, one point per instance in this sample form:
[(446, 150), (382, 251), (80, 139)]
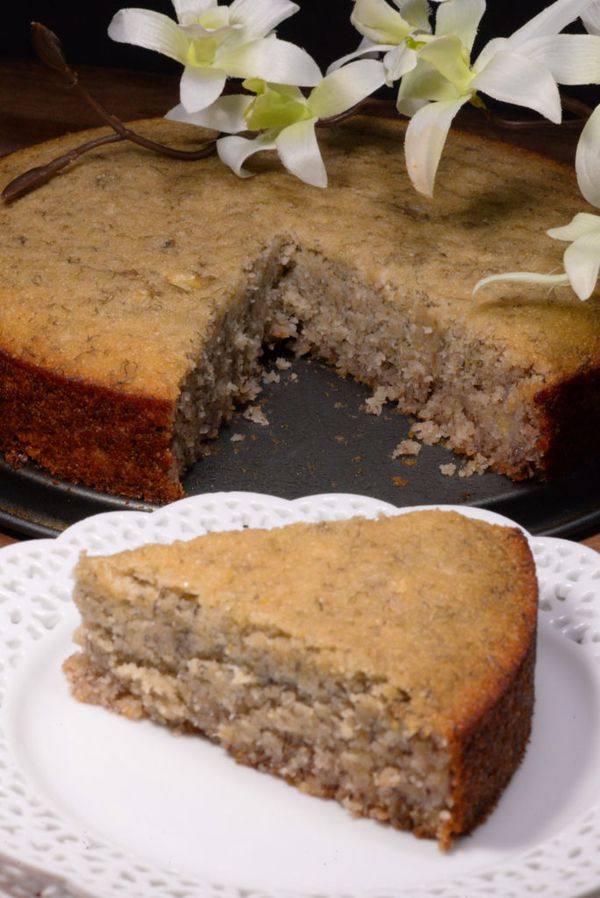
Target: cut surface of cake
[(136, 293), (385, 663)]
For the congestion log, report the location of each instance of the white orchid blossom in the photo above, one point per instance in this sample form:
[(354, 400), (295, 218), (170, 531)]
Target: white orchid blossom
[(581, 259), (524, 69), (591, 17), (285, 118), (385, 30), (214, 42), (587, 159)]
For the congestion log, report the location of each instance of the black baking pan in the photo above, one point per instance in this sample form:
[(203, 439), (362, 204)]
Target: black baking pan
[(319, 439)]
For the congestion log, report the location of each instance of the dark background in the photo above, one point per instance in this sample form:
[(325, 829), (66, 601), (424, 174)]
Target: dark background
[(321, 26)]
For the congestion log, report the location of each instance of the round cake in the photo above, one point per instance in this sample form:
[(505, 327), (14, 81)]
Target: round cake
[(137, 292)]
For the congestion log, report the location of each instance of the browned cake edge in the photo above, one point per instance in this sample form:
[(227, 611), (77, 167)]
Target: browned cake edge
[(114, 441), (490, 747), (570, 422)]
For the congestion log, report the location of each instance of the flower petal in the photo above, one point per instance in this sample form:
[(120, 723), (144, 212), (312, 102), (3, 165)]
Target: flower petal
[(407, 106), (446, 55), (416, 13), (426, 83), (365, 48), (234, 151), (582, 223), (299, 151), (219, 28), (276, 106), (591, 18), (550, 20), (272, 60), (461, 18), (377, 20), (425, 138), (152, 30), (398, 62), (571, 58), (226, 114), (512, 78), (187, 11), (260, 17), (345, 87), (587, 159), (582, 264), (489, 51), (524, 277), (201, 87)]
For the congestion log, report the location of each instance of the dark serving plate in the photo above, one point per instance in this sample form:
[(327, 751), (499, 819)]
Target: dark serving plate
[(319, 440)]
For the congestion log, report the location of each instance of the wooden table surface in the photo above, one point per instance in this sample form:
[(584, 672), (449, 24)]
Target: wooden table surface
[(35, 105)]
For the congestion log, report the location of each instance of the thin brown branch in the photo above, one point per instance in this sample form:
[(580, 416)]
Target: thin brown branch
[(41, 174), (50, 51), (336, 119), (581, 110)]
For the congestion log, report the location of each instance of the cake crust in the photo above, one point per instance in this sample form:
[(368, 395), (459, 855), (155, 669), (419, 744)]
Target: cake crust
[(388, 664)]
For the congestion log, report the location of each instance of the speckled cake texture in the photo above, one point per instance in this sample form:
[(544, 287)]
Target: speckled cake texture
[(136, 292), (387, 664)]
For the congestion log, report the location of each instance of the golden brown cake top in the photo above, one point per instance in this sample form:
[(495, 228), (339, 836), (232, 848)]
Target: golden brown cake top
[(431, 604), (116, 270)]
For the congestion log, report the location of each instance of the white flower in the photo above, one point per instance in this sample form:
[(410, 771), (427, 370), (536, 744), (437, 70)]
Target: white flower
[(587, 159), (285, 118), (385, 30), (524, 69), (214, 42), (581, 259), (591, 17)]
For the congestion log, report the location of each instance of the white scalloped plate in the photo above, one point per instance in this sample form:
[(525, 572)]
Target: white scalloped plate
[(95, 805)]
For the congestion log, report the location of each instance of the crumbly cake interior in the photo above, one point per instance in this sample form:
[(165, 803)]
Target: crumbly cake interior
[(171, 298), (399, 683), (478, 403)]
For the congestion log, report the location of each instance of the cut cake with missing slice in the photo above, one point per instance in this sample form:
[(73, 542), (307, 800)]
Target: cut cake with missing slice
[(387, 664), (137, 292)]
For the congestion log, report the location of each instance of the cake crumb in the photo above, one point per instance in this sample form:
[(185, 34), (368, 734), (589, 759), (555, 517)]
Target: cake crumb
[(399, 481), (428, 432), (293, 376), (237, 437), (282, 363), (374, 405), (448, 470), (406, 447), (255, 414), (476, 465), (271, 377)]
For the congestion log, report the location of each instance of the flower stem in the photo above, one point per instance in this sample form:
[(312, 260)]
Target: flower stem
[(50, 51), (580, 110)]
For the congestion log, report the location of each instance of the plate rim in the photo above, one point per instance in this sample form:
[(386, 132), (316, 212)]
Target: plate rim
[(334, 500)]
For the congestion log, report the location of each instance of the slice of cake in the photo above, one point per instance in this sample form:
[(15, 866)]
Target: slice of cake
[(387, 664), (137, 292)]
